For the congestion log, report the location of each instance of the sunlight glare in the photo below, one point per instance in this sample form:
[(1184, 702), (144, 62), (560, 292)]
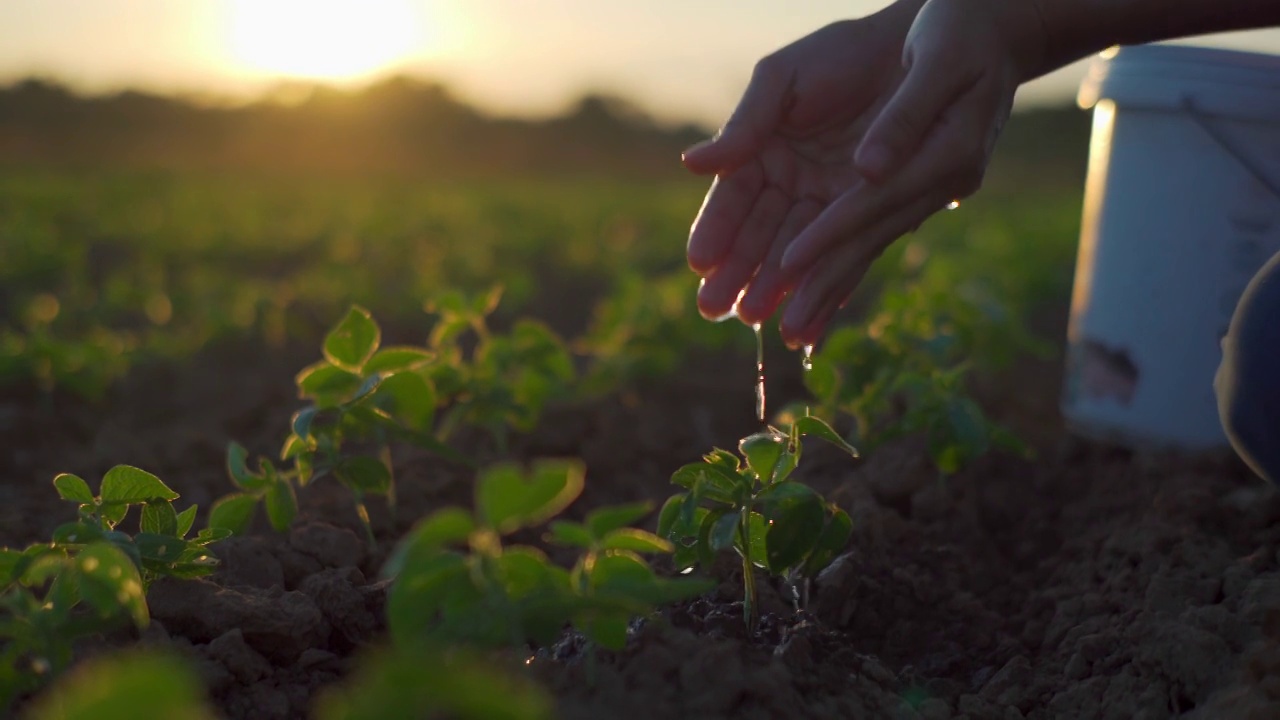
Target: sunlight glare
[(335, 40)]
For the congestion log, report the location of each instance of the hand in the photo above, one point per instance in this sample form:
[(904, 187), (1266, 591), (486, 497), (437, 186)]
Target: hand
[(847, 191), (786, 153)]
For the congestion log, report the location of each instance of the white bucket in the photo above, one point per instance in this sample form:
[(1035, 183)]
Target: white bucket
[(1182, 207)]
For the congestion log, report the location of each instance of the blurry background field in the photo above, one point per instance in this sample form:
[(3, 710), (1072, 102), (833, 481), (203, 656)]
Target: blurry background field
[(137, 227)]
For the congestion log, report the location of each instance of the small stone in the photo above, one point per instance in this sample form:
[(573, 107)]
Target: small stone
[(234, 653), (332, 546)]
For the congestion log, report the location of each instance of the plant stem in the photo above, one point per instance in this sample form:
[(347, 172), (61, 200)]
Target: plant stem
[(750, 610)]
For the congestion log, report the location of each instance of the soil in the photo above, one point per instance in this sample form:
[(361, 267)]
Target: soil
[(1086, 582)]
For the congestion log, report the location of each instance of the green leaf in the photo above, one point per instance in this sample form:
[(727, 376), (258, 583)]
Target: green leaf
[(813, 425), (635, 541), (353, 341), (112, 513), (78, 533), (669, 515), (444, 527), (602, 521), (233, 512), (397, 359), (762, 451), (139, 684), (409, 398), (796, 516), (723, 458), (156, 548), (128, 484), (786, 465), (364, 473), (834, 538), (508, 498), (159, 517), (822, 379), (969, 426), (420, 590), (326, 384), (73, 488), (302, 421), (575, 534), (712, 481), (281, 504), (608, 630), (185, 520), (724, 533), (238, 468), (9, 563), (109, 582), (210, 535)]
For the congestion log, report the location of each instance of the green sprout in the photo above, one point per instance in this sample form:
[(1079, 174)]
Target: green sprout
[(455, 580), (91, 578), (364, 397), (773, 522)]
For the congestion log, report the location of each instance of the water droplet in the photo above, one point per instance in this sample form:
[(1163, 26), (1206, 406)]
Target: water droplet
[(953, 204), (806, 361), (760, 402)]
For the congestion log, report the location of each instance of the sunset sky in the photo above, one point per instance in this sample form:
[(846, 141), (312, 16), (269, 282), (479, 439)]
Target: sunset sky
[(679, 58)]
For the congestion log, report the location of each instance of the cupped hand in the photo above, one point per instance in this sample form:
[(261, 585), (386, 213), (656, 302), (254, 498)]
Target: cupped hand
[(786, 154), (817, 198)]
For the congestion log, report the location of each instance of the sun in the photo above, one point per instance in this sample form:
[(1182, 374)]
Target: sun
[(332, 40)]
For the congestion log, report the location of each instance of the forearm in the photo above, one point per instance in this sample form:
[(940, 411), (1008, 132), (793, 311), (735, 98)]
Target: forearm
[(1073, 29)]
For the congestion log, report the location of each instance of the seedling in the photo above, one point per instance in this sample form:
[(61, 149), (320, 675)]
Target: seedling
[(365, 397), (161, 547), (752, 506), (904, 372), (455, 581), (92, 577)]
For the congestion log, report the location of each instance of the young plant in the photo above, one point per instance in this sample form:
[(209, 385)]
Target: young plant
[(506, 381), (752, 506), (137, 684), (455, 581), (365, 397), (161, 547), (362, 395), (610, 579), (92, 577), (904, 372)]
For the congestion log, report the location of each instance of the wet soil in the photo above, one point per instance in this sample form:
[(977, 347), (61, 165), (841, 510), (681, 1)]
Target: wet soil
[(1086, 582)]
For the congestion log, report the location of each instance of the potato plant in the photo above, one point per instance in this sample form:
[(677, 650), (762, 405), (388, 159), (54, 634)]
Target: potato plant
[(92, 577), (457, 582), (364, 397), (904, 371), (752, 506)]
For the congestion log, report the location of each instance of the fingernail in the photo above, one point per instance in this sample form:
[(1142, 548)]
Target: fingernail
[(875, 159)]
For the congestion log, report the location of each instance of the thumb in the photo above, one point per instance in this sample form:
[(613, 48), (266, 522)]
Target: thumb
[(929, 87), (761, 108)]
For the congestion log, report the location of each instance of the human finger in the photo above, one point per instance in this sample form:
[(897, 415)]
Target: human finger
[(726, 206), (724, 285), (762, 107)]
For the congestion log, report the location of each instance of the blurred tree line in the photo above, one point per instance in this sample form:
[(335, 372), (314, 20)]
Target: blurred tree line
[(396, 127), (405, 127)]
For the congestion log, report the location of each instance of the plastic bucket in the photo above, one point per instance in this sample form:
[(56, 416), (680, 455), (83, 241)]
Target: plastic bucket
[(1182, 208)]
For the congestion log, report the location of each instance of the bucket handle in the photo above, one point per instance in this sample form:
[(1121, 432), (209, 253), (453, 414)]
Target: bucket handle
[(1203, 120)]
